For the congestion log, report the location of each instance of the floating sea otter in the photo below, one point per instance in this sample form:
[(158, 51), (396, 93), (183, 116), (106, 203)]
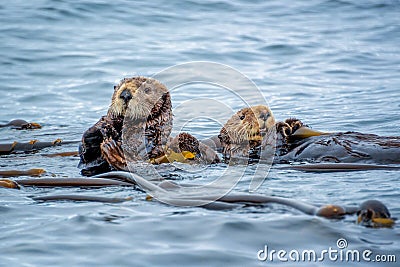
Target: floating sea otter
[(245, 133), (137, 127)]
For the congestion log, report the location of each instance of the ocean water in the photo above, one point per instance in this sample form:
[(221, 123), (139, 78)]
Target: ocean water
[(334, 64)]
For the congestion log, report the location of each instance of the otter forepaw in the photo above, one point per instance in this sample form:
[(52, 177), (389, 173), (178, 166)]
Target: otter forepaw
[(113, 154)]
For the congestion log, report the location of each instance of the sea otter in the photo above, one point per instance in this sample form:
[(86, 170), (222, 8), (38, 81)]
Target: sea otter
[(137, 127), (108, 130), (296, 142), (242, 134)]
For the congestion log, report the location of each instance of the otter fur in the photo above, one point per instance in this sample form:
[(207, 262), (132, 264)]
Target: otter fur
[(137, 127)]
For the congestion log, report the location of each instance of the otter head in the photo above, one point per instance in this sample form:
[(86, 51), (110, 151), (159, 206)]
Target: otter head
[(150, 101), (265, 118), (145, 106), (248, 124), (123, 94)]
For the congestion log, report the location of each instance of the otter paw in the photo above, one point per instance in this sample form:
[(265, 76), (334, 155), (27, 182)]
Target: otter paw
[(113, 154)]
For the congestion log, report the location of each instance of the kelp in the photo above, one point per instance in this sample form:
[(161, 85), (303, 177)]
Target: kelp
[(33, 145)]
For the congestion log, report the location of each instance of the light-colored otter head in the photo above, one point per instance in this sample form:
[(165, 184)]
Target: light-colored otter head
[(144, 105), (150, 100), (123, 94), (265, 118), (248, 124)]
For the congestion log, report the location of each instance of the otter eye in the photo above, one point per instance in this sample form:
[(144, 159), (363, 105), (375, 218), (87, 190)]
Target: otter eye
[(147, 90), (242, 117)]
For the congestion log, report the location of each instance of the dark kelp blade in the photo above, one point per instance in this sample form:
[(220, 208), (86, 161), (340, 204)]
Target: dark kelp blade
[(336, 167), (82, 198), (16, 173), (6, 183), (72, 182)]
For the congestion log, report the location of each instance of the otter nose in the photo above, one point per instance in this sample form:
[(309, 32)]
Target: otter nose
[(264, 116), (126, 95)]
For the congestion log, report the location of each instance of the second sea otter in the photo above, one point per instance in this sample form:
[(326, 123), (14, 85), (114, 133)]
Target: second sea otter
[(243, 133), (246, 134)]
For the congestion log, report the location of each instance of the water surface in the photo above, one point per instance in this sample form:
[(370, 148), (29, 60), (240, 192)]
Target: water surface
[(333, 64)]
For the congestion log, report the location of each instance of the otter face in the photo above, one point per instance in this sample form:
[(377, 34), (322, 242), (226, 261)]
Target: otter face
[(249, 124), (149, 100), (123, 94), (264, 117)]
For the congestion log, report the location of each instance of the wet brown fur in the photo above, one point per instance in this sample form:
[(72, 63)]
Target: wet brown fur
[(137, 128), (148, 113), (244, 131)]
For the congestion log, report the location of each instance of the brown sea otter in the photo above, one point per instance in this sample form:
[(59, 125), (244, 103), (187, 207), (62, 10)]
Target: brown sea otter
[(295, 142), (137, 127), (242, 134)]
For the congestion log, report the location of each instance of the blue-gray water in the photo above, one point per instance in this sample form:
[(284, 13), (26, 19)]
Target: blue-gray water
[(334, 64)]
